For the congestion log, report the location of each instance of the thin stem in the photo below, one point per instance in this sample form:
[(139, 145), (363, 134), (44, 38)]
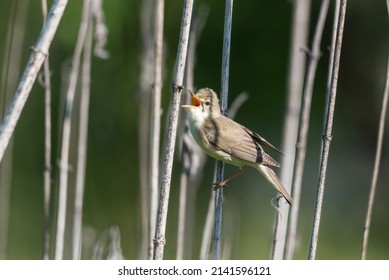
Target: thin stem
[(159, 242), (301, 147), (216, 252), (65, 145), (155, 128), (82, 140), (296, 74), (333, 41), (144, 96), (47, 169), (37, 57), (373, 186), (192, 157), (327, 135)]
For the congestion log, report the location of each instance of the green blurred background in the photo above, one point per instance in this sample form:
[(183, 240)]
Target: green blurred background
[(259, 63)]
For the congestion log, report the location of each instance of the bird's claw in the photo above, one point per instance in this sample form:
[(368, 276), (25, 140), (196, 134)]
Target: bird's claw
[(217, 186)]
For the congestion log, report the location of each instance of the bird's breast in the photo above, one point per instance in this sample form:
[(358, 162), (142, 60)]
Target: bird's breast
[(202, 135)]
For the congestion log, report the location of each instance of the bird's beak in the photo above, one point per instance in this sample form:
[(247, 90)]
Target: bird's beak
[(195, 101)]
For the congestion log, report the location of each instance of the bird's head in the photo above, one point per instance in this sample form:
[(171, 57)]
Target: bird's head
[(204, 104)]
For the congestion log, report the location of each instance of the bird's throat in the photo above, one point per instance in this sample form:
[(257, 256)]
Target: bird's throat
[(198, 117)]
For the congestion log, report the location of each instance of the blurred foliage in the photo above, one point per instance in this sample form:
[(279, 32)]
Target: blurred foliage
[(259, 62)]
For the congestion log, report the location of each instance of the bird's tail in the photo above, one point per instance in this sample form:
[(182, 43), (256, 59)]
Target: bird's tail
[(275, 181)]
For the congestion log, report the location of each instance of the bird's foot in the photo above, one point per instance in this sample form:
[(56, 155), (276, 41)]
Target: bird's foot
[(217, 186)]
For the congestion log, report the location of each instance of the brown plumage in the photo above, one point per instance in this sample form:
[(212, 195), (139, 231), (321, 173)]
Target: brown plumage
[(228, 141)]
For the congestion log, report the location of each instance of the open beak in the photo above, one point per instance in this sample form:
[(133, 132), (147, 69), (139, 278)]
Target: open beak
[(195, 101)]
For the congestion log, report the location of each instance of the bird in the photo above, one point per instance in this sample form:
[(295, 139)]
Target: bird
[(226, 140)]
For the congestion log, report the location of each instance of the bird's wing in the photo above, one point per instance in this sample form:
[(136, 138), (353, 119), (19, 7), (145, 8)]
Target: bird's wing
[(235, 141), (260, 140)]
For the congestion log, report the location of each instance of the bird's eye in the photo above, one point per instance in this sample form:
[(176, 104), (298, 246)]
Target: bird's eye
[(207, 103)]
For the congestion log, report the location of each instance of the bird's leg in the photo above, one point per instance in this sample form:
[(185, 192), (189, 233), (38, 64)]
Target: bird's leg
[(217, 186)]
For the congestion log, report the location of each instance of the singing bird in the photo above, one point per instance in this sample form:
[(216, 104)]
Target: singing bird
[(224, 139)]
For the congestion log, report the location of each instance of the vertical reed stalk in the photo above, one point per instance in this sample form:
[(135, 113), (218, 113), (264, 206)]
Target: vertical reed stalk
[(155, 128), (217, 239), (146, 71), (299, 40), (82, 138), (192, 157), (167, 168), (301, 147), (66, 130), (47, 168), (373, 186), (327, 134)]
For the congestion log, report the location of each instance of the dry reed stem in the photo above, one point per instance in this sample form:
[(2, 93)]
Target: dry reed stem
[(37, 57), (296, 74), (66, 130), (301, 147), (167, 168), (217, 238), (47, 156), (155, 127), (144, 96), (192, 157), (373, 186), (82, 138), (327, 134)]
